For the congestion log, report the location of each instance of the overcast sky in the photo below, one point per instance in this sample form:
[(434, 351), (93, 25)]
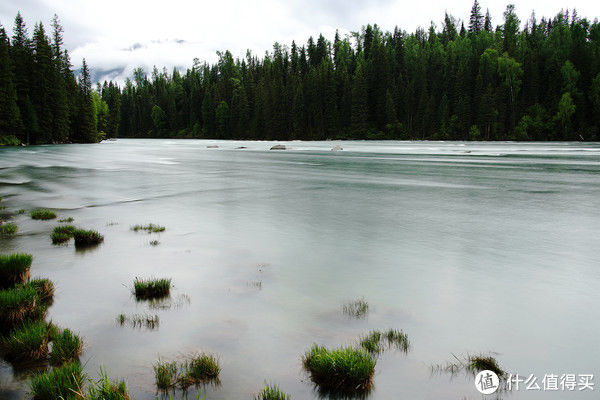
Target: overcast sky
[(118, 35)]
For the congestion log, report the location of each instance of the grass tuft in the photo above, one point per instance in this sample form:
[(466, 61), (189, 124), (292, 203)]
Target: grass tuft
[(8, 229), (85, 238), (44, 288), (62, 234), (58, 383), (69, 220), (345, 370), (22, 211), (372, 342), (150, 228), (105, 389), (66, 346), (272, 392), (376, 342), (18, 305), (42, 214), (14, 269), (166, 374), (199, 369), (356, 309), (151, 288), (27, 342), (480, 362)]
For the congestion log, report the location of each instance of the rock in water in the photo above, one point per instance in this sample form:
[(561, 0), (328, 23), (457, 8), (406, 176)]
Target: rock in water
[(278, 147), (212, 146), (337, 147)]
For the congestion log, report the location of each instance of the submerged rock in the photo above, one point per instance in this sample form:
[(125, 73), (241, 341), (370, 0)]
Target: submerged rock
[(337, 147), (278, 147), (212, 146), (241, 147)]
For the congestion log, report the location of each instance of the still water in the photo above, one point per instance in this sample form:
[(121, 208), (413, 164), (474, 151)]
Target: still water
[(467, 247)]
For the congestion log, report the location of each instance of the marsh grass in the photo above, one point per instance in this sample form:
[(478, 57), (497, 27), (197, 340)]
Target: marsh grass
[(18, 305), (42, 214), (376, 342), (27, 342), (201, 368), (154, 243), (356, 309), (68, 220), (58, 383), (471, 364), (22, 211), (166, 374), (147, 321), (272, 392), (43, 287), (105, 389), (150, 228), (151, 288), (14, 269), (62, 233), (344, 370), (85, 238), (8, 229), (66, 346)]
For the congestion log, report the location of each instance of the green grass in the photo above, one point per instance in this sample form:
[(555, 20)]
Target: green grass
[(356, 309), (44, 288), (166, 374), (14, 269), (85, 238), (18, 305), (66, 346), (105, 389), (154, 243), (27, 342), (70, 219), (199, 369), (62, 234), (8, 229), (58, 383), (42, 214), (480, 362), (376, 341), (138, 321), (272, 392), (151, 288), (150, 228), (343, 370), (22, 211)]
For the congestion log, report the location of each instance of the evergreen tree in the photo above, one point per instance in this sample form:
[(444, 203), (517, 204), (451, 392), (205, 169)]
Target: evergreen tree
[(476, 23)]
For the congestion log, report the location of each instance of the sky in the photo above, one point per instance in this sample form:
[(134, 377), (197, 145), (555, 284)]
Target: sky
[(116, 36)]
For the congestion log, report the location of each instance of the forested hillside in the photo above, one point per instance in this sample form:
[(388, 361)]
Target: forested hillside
[(531, 80)]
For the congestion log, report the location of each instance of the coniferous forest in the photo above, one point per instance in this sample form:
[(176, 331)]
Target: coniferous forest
[(472, 80)]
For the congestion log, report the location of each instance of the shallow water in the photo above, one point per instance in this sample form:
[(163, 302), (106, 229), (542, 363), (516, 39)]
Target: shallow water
[(467, 247)]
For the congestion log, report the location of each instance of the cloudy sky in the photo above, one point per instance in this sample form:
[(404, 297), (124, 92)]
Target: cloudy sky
[(116, 36)]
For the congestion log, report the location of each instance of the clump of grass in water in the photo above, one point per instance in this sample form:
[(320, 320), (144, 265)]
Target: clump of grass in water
[(137, 321), (22, 211), (14, 269), (8, 229), (374, 341), (151, 288), (470, 364), (150, 228), (356, 309), (44, 288), (154, 243), (166, 374), (42, 214), (27, 342), (199, 369), (18, 305), (62, 234), (68, 220), (58, 383), (105, 389), (272, 392), (66, 346), (345, 370), (85, 238)]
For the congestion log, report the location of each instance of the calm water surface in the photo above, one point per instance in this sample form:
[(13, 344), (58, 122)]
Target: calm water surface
[(467, 247)]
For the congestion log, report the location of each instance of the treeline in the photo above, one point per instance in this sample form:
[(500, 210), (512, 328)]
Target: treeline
[(539, 80), (41, 101)]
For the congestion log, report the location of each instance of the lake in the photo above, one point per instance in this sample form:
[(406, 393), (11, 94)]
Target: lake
[(467, 247)]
